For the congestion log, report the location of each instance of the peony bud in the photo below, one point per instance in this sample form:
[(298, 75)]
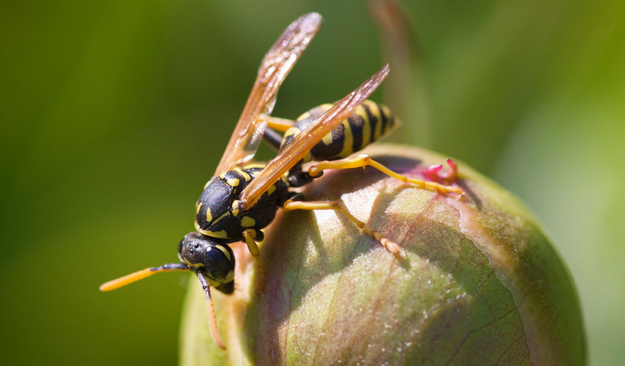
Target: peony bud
[(478, 283)]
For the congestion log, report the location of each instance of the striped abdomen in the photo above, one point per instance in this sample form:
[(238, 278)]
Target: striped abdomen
[(368, 123)]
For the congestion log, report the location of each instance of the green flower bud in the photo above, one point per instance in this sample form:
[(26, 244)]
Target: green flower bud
[(478, 283)]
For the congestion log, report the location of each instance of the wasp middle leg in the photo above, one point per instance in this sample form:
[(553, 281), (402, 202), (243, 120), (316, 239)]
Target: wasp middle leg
[(390, 245)]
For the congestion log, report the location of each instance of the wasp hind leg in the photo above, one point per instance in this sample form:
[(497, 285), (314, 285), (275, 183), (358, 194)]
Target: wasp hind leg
[(275, 123), (270, 136), (362, 161), (390, 245), (250, 236)]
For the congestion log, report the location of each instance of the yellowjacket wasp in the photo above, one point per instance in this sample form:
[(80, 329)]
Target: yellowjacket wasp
[(241, 198)]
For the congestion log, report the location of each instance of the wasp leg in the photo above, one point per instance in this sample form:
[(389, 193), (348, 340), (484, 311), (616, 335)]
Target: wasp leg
[(273, 139), (362, 161), (250, 236), (278, 124), (390, 245)]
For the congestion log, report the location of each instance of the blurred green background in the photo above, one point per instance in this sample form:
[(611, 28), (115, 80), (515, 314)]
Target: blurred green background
[(114, 114)]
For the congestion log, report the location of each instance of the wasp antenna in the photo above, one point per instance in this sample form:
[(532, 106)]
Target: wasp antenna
[(139, 275), (210, 311)]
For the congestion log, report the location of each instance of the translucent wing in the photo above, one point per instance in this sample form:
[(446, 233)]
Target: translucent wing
[(305, 140), (274, 68)]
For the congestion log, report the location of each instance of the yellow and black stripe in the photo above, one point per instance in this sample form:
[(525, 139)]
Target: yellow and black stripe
[(367, 124)]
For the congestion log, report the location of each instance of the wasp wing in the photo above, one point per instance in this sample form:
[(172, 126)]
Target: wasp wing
[(307, 139), (274, 68)]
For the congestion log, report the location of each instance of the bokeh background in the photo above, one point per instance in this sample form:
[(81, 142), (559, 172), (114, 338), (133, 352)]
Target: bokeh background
[(114, 114)]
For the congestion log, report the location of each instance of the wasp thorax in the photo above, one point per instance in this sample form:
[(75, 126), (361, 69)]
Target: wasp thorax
[(210, 258)]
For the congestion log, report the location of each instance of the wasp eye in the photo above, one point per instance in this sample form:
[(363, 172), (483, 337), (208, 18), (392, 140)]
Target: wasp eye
[(180, 246), (203, 254), (218, 262)]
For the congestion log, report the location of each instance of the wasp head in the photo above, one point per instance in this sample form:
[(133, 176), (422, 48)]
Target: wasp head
[(214, 260)]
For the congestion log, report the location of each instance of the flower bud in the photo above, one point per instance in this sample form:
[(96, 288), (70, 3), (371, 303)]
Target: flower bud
[(478, 283)]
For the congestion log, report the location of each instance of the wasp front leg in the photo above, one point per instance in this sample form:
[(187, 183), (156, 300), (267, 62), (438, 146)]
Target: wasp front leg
[(362, 161), (251, 236), (339, 206)]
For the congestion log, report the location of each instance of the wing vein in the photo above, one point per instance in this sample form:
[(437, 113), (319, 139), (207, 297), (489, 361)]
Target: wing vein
[(274, 68), (309, 137)]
